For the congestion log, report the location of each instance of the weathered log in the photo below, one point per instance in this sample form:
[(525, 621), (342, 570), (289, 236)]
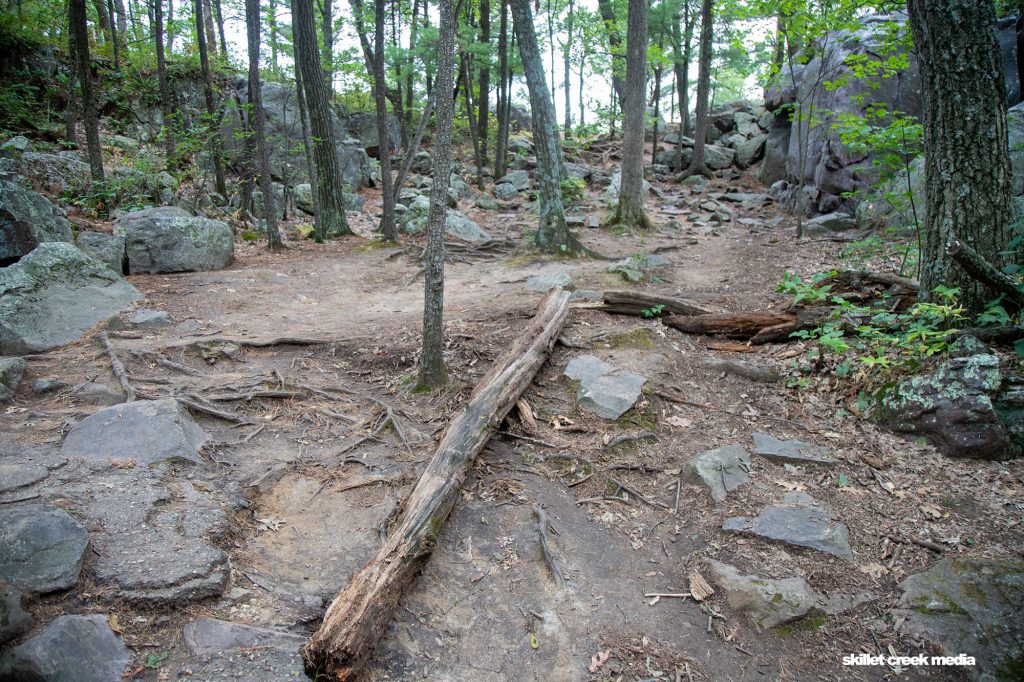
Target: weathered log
[(732, 325), (359, 615), (983, 271), (636, 303), (859, 279)]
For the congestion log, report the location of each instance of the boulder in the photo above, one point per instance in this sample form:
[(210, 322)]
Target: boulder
[(749, 152), (226, 650), (11, 371), (505, 191), (550, 280), (718, 157), (721, 470), (422, 163), (168, 239), (893, 205), (41, 548), (15, 147), (279, 201), (604, 390), (14, 621), (58, 173), (519, 179), (363, 127), (798, 521), (54, 295), (106, 248), (146, 431), (303, 194), (97, 393), (767, 602), (27, 219), (70, 649), (830, 223), (457, 224)]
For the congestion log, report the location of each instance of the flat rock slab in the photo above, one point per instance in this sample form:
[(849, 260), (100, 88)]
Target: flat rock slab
[(799, 521), (768, 602), (41, 548), (722, 470), (147, 431), (54, 295), (211, 637), (70, 649), (14, 476), (605, 390), (790, 451), (549, 280), (970, 607), (230, 651)]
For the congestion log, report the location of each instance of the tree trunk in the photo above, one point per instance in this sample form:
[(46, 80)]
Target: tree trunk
[(566, 58), (272, 18), (327, 49), (484, 81), (657, 103), (209, 32), (503, 94), (115, 36), (697, 164), (552, 234), (681, 64), (70, 122), (171, 34), (464, 70), (307, 142), (432, 373), (218, 16), (213, 127), (257, 122), (967, 167), (359, 616), (387, 220), (78, 28), (331, 220), (166, 104), (607, 10), (629, 212)]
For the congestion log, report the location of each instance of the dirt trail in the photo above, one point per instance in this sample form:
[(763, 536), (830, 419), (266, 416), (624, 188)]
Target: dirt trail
[(314, 484)]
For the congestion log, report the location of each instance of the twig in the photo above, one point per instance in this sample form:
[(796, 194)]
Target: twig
[(542, 528), (582, 480), (637, 495), (254, 433), (527, 439), (23, 498), (119, 371), (213, 411), (170, 364), (669, 595), (630, 437)]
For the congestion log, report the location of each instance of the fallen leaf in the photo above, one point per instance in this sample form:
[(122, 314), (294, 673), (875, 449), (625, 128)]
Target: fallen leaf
[(115, 625), (931, 511), (680, 422), (876, 571), (534, 642), (598, 660), (790, 485)]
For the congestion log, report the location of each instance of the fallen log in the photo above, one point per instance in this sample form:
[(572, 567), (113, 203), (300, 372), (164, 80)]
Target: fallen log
[(359, 615), (636, 303), (732, 325), (981, 270)]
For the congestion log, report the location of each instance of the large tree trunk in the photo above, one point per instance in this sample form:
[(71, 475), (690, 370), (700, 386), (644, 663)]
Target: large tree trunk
[(307, 141), (331, 221), (166, 104), (629, 212), (432, 373), (257, 122), (79, 29), (213, 127), (607, 10), (967, 168), (209, 31), (387, 220), (359, 616), (697, 164), (552, 234)]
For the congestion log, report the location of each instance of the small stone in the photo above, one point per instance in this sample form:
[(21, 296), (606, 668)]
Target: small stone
[(11, 371), (722, 470), (824, 225), (574, 220), (605, 390), (791, 451), (768, 602), (486, 203), (70, 649), (98, 394), (799, 521), (41, 548), (232, 650), (42, 386), (147, 431), (147, 318)]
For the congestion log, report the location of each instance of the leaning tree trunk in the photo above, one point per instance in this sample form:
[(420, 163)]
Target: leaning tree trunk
[(79, 29), (432, 373), (387, 220), (967, 167), (553, 233), (629, 212), (331, 220), (698, 166), (213, 125), (257, 120)]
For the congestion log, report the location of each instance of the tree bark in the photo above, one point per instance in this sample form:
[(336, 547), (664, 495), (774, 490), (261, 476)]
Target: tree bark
[(638, 303), (566, 59), (484, 81), (79, 29), (70, 120), (387, 220), (629, 212), (331, 221), (432, 373), (359, 616), (503, 94), (166, 103), (607, 10), (218, 15), (733, 325), (307, 141), (683, 84), (212, 125), (327, 48), (257, 121), (698, 166), (967, 167), (553, 233)]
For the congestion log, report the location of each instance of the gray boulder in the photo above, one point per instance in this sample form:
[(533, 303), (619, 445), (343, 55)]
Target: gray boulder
[(721, 470), (769, 603), (604, 389), (718, 157), (147, 431), (519, 179), (14, 476), (27, 219), (894, 205), (830, 223), (505, 191), (799, 521), (56, 173), (106, 248), (41, 548), (54, 295), (15, 147), (749, 152), (549, 280), (168, 239), (363, 127), (70, 649), (458, 225), (11, 371), (790, 451), (303, 194), (422, 163), (14, 621)]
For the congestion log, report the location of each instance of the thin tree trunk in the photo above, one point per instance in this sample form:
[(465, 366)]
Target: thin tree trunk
[(411, 68), (171, 33), (468, 99), (209, 32), (566, 58), (166, 104), (967, 167), (432, 373), (500, 150), (607, 10), (332, 221), (213, 127), (115, 37), (219, 17), (272, 17), (698, 166), (327, 49), (657, 103), (683, 75), (387, 220), (484, 83), (70, 122), (629, 212), (77, 24), (552, 233), (257, 122)]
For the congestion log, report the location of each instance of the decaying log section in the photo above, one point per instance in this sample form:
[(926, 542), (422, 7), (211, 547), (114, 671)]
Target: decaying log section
[(732, 325), (359, 615), (635, 303), (983, 271)]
